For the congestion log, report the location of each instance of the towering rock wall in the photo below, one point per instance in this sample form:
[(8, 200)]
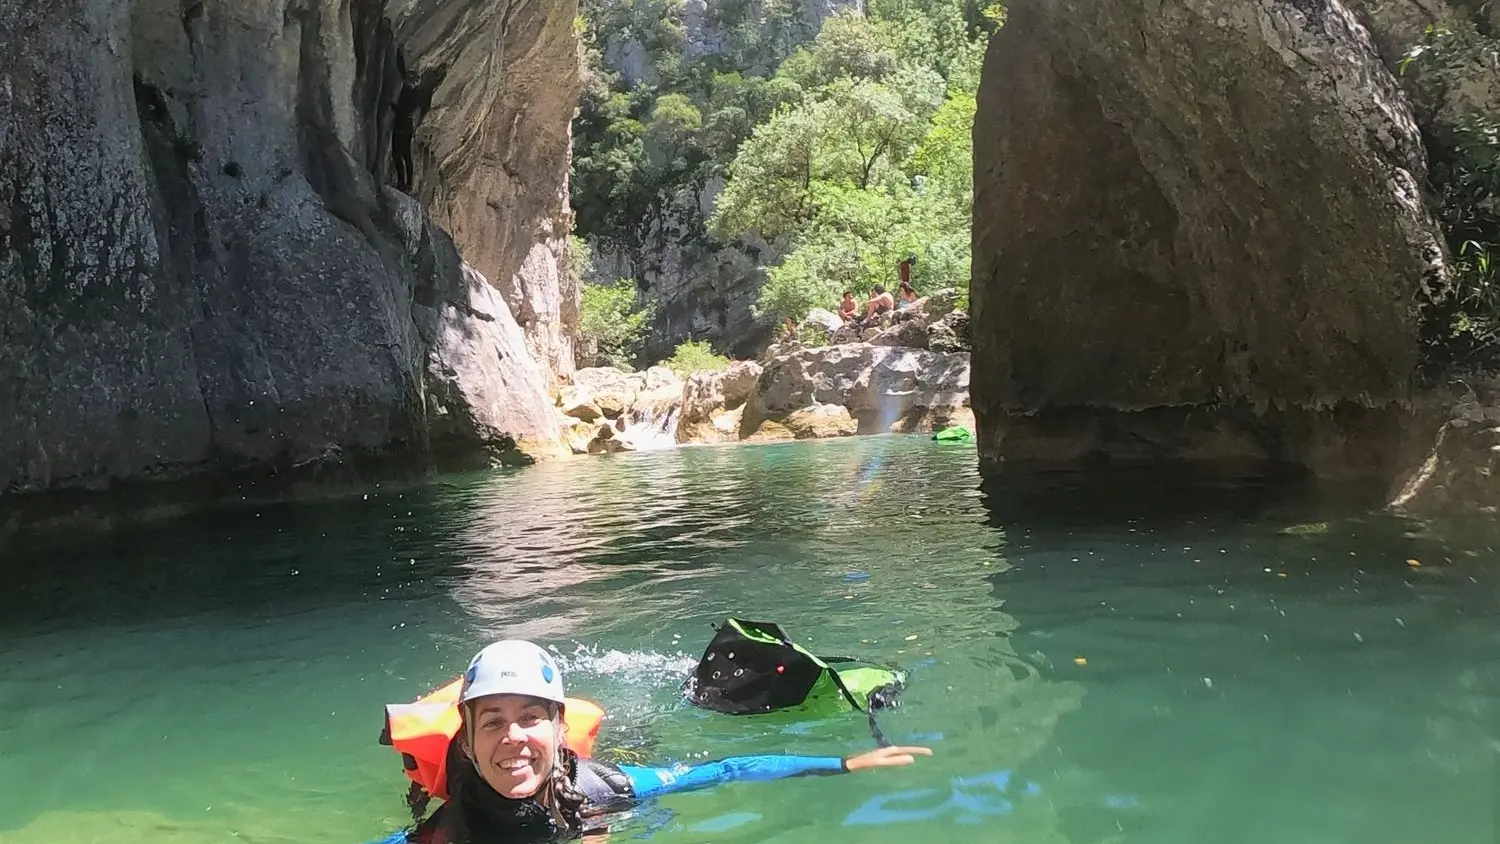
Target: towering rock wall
[(1198, 233), (202, 266), (498, 146)]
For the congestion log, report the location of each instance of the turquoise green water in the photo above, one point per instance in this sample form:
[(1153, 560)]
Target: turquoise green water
[(222, 679)]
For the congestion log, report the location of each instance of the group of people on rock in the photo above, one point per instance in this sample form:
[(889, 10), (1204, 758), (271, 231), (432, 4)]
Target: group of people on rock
[(880, 300), (861, 315)]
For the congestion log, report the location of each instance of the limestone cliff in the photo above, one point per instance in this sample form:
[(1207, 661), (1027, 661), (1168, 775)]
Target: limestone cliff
[(1198, 233), (202, 267), (699, 288), (497, 144)]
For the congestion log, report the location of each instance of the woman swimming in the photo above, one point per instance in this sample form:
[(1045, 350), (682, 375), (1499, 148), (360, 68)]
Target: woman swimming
[(512, 777)]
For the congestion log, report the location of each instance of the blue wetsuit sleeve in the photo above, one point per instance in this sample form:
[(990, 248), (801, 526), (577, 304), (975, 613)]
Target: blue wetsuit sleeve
[(651, 782)]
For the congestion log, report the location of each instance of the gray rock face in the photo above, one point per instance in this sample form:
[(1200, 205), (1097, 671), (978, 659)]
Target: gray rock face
[(494, 150), (883, 388), (700, 291), (950, 334), (199, 269), (1191, 204), (909, 333), (708, 396)]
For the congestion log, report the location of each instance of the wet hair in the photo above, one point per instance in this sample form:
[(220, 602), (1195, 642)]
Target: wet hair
[(474, 813), (879, 289), (848, 292)]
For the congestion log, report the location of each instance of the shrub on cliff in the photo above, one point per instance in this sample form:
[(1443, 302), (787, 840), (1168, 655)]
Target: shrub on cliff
[(695, 356)]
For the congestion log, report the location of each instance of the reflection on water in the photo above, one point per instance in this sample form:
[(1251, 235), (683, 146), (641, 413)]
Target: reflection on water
[(1093, 658)]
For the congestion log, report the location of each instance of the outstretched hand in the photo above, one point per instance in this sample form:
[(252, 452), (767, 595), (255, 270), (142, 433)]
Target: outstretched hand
[(886, 757)]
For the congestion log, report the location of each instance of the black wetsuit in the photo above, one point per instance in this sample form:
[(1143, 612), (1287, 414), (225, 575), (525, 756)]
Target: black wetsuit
[(500, 820)]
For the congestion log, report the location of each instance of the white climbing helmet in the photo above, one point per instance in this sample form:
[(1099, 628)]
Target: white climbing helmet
[(512, 667)]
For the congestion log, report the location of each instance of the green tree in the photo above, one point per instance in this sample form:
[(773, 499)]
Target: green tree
[(849, 46), (770, 182), (945, 156), (848, 148), (612, 325)]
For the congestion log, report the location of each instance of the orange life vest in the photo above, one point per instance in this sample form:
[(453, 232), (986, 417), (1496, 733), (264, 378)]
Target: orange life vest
[(421, 732)]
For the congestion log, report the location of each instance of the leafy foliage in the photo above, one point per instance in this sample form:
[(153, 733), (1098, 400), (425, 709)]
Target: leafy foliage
[(611, 325), (1461, 322), (874, 164), (848, 147), (695, 356)]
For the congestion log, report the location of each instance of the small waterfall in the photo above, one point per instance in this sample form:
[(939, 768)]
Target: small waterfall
[(652, 427)]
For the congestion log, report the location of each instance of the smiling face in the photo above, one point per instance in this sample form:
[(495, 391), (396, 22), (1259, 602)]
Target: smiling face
[(514, 740)]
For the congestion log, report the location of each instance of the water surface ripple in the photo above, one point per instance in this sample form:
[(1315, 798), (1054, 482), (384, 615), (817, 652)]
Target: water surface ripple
[(1093, 659)]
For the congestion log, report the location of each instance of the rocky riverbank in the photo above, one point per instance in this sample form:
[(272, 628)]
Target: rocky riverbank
[(906, 373)]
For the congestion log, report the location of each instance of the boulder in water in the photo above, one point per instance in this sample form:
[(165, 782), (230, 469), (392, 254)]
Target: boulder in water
[(820, 421), (605, 441), (579, 435), (1199, 231), (1461, 470), (708, 396), (883, 388)]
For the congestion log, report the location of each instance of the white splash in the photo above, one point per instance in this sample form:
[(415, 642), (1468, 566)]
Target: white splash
[(634, 667), (652, 427)]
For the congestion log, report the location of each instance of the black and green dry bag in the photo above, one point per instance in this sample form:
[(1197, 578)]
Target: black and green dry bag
[(753, 667)]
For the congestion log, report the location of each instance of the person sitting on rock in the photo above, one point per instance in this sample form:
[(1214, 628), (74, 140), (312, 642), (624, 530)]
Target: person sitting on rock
[(878, 304), (908, 294), (848, 309)]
